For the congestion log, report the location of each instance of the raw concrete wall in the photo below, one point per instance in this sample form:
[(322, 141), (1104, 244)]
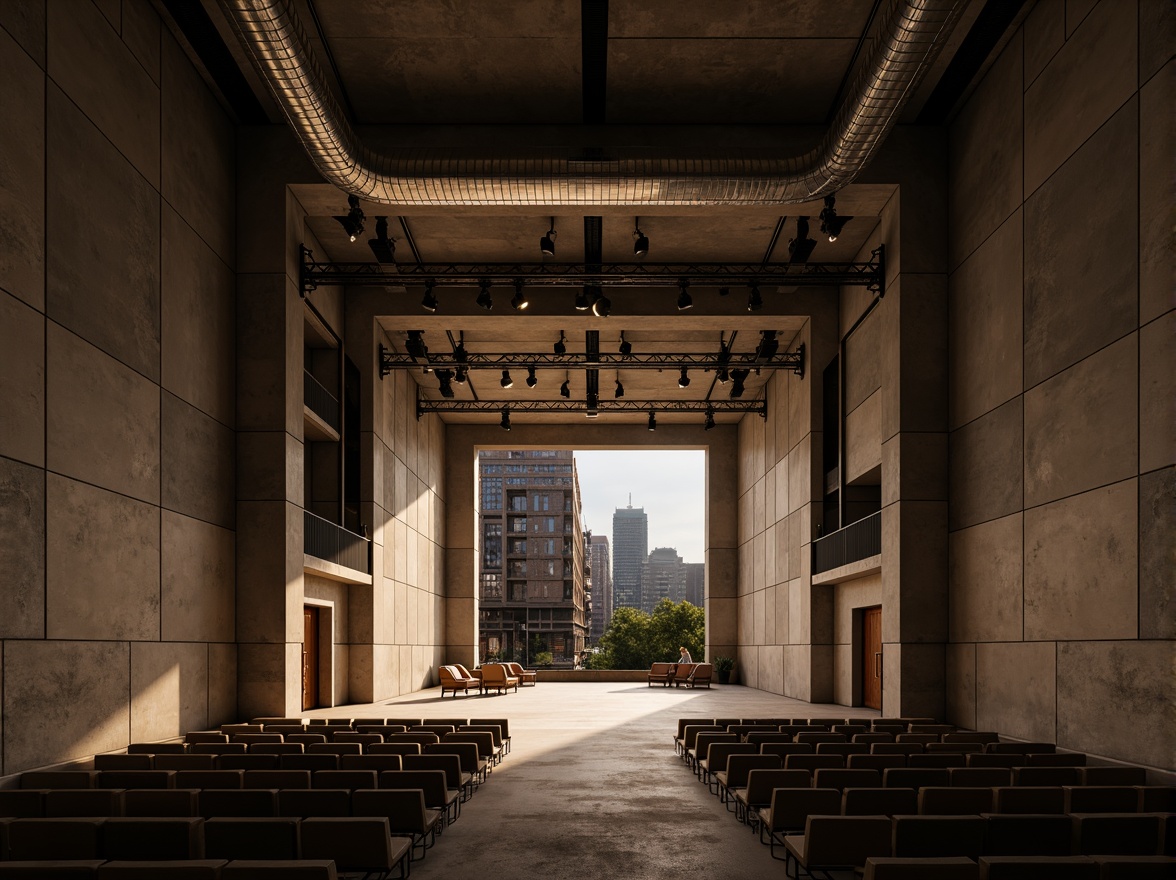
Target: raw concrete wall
[(117, 252), (1062, 334)]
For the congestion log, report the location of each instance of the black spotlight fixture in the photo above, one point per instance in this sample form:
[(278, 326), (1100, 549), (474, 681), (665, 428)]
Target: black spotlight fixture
[(768, 346), (429, 301), (504, 422), (801, 247), (383, 248), (547, 242), (592, 402), (626, 348), (710, 419), (532, 381), (601, 306), (506, 381), (564, 391), (738, 377), (619, 392), (414, 344), (684, 300), (651, 425), (353, 223), (831, 224), (684, 379), (519, 301), (444, 378), (559, 347), (583, 303), (459, 375), (484, 300), (723, 376), (459, 352), (640, 241), (755, 302)]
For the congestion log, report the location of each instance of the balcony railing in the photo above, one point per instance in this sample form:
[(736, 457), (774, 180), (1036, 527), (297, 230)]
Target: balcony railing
[(858, 540), (319, 400), (333, 543)]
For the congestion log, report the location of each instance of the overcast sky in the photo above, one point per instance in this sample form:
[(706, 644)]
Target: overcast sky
[(669, 484)]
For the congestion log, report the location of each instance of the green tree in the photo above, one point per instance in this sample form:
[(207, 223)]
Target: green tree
[(635, 639)]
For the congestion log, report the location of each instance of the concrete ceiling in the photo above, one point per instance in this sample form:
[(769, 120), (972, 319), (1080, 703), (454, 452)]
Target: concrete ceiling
[(662, 69)]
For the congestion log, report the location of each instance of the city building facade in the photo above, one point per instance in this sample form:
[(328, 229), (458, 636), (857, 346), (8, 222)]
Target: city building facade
[(602, 586), (532, 573), (663, 576), (695, 582), (630, 546)]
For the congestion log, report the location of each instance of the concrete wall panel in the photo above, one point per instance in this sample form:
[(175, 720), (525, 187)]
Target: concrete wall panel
[(863, 438), (985, 321), (1157, 390), (198, 458), (1080, 566), (1080, 426), (222, 683), (22, 554), (1157, 132), (862, 369), (102, 419), (961, 685), (1044, 34), (1082, 265), (986, 467), (198, 579), (1157, 555), (98, 203), (1105, 689), (169, 689), (1015, 689), (22, 174), (22, 381), (986, 598), (64, 700), (103, 564)]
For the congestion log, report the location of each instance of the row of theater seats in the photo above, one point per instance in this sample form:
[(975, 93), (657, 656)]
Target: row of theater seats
[(937, 821), (217, 807)]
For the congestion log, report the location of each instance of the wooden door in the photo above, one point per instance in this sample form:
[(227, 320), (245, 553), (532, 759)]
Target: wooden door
[(310, 652), (872, 658)]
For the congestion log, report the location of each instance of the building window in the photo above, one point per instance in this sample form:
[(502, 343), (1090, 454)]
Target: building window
[(518, 591), (548, 567), (518, 502), (518, 568), (518, 524), (547, 546), (540, 502), (492, 545), (518, 547), (491, 585), (492, 493)]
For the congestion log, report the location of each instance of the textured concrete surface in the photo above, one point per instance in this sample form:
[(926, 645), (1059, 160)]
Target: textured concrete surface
[(592, 787)]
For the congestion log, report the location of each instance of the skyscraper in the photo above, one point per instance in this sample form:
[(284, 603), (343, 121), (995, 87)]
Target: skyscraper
[(630, 546), (695, 583), (663, 576), (602, 585)]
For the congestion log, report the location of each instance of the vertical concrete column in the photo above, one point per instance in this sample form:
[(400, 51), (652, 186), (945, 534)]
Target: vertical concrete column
[(461, 544), (722, 544), (913, 359)]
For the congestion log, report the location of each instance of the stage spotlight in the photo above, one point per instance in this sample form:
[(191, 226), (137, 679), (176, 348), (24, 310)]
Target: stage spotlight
[(559, 347), (429, 301), (626, 348), (506, 381), (710, 419), (459, 376), (738, 377), (547, 242), (564, 391), (684, 300), (484, 299), (755, 302), (619, 392), (684, 379), (459, 353), (532, 381), (444, 378), (602, 306), (504, 422), (651, 425), (831, 224), (519, 301), (352, 223), (414, 344), (640, 242), (723, 376), (583, 303), (768, 346)]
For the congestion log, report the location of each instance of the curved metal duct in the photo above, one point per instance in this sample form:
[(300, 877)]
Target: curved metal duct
[(912, 34)]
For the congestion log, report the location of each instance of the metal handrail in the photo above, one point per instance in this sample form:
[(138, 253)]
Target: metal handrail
[(857, 541), (319, 400), (331, 542)]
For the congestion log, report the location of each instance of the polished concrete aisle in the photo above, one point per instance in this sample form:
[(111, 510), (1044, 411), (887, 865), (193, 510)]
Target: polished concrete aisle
[(592, 787)]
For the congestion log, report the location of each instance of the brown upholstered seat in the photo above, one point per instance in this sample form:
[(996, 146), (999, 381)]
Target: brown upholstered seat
[(453, 680)]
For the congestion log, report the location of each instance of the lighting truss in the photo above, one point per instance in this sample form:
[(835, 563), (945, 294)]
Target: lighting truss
[(870, 274), (642, 407), (789, 360)]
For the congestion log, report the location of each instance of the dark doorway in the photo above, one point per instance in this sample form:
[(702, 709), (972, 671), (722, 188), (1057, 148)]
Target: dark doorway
[(872, 657), (310, 656)]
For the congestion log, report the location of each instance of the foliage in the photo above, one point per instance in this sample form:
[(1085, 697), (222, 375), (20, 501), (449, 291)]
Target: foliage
[(635, 639), (542, 658), (724, 664)]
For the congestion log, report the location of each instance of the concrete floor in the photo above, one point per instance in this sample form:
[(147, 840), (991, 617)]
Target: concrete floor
[(592, 787)]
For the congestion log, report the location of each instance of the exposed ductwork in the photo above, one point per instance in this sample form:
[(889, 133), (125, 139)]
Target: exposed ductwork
[(911, 36)]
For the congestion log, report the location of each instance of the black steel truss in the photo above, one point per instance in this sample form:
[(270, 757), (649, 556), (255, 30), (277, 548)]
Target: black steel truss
[(792, 360), (869, 274), (716, 407)]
